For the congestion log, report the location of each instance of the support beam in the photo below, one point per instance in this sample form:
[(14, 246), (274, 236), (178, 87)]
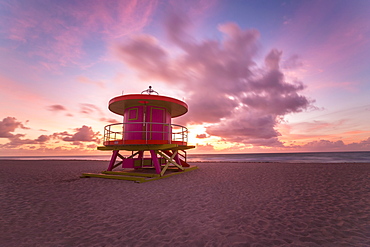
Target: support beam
[(118, 164), (113, 160), (155, 160), (177, 158), (121, 156), (112, 163), (170, 160), (141, 154), (133, 155)]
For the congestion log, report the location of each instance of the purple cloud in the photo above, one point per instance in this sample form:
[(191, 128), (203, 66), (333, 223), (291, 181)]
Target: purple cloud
[(224, 85), (56, 108)]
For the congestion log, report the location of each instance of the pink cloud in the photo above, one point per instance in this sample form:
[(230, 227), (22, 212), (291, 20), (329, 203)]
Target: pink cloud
[(201, 136), (83, 134), (56, 108), (204, 148), (339, 145), (223, 83), (109, 120), (8, 125), (90, 109), (325, 145), (16, 141), (42, 138)]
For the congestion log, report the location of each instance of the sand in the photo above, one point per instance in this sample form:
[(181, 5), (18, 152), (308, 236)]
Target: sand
[(45, 203)]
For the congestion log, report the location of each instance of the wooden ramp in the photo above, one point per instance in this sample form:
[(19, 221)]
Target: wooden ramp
[(139, 175)]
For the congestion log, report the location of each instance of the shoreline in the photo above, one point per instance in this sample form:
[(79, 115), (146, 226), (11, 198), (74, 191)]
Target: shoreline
[(309, 157), (45, 203), (195, 162)]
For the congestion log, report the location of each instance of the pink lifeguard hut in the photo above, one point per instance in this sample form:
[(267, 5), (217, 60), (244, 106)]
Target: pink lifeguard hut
[(146, 127)]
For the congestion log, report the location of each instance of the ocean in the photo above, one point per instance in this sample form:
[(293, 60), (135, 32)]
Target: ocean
[(313, 157)]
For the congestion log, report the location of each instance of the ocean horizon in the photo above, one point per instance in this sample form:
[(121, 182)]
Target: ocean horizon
[(304, 157)]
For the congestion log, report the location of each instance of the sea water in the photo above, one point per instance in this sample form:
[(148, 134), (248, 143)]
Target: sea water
[(312, 157), (317, 157)]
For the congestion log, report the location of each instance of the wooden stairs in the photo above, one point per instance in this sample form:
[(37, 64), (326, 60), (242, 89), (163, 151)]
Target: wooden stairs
[(139, 175)]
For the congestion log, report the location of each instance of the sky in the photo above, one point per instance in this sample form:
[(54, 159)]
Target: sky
[(258, 76)]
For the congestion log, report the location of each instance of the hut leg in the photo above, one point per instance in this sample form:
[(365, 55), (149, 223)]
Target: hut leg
[(177, 159), (155, 162), (141, 157), (141, 154), (113, 160)]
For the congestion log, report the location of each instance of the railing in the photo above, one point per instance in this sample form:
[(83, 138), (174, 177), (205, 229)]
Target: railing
[(145, 133)]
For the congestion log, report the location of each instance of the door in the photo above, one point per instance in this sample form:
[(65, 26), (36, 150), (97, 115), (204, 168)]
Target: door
[(134, 126), (157, 127)]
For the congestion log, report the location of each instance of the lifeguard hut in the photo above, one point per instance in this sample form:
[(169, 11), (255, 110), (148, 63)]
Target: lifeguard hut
[(146, 127)]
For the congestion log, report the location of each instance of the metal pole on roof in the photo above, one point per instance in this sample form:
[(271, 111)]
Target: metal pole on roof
[(149, 91)]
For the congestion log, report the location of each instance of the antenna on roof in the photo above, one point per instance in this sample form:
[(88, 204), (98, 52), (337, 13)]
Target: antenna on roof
[(149, 91)]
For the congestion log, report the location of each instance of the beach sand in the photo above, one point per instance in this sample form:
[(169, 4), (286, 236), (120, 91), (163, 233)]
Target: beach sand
[(45, 203)]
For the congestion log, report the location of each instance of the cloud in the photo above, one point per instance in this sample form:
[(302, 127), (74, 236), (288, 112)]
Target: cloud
[(16, 141), (201, 136), (325, 145), (224, 86), (96, 113), (42, 138), (109, 120), (91, 146), (251, 127), (144, 54), (204, 148), (8, 125), (338, 145), (56, 108), (90, 109), (85, 108), (83, 134)]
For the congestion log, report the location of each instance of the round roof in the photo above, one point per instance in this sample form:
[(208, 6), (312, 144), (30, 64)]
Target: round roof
[(175, 107)]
